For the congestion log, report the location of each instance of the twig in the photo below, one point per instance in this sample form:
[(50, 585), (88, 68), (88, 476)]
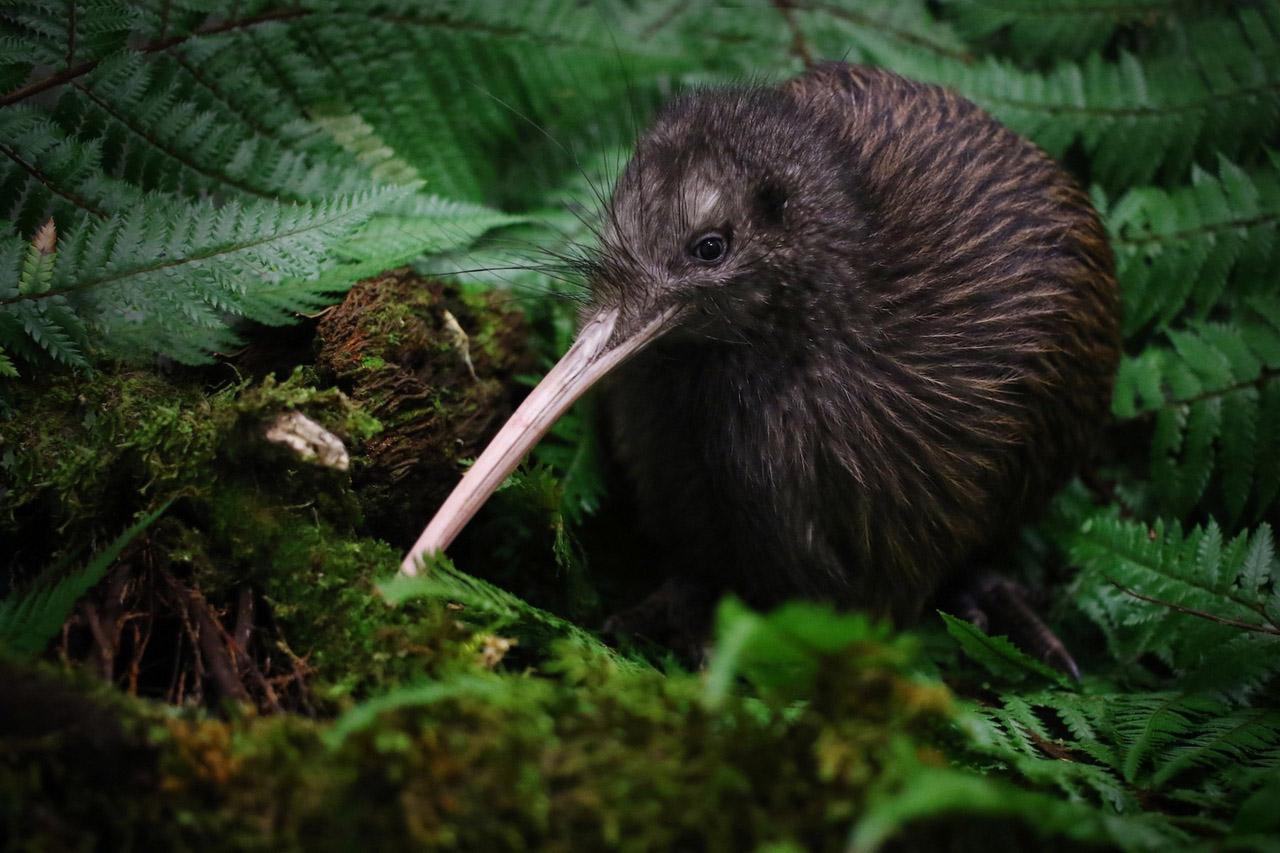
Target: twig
[(106, 653), (799, 47), (218, 654), (244, 621)]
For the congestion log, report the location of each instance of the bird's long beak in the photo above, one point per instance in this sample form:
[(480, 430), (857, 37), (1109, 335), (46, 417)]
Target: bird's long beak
[(594, 354)]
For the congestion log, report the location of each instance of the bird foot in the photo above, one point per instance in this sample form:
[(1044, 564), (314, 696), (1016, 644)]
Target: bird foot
[(996, 604), (676, 615)]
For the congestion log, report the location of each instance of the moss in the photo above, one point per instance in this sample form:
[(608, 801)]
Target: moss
[(436, 366), (88, 454), (319, 583), (588, 755), (471, 747)]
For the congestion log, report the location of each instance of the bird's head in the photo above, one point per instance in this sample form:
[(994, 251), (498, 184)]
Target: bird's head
[(735, 210)]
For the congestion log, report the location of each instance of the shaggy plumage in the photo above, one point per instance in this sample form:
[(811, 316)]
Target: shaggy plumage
[(907, 346)]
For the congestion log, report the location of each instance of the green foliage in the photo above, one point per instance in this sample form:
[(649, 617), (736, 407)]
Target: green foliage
[(1220, 625), (168, 171), (1180, 251), (30, 618), (254, 163), (1205, 737), (1212, 396), (998, 654), (781, 653), (500, 610), (1051, 32)]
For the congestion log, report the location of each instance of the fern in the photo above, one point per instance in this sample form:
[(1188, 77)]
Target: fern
[(168, 170), (1134, 118), (1214, 599), (30, 618), (161, 277), (440, 580), (1202, 604), (321, 124), (1034, 32), (1178, 252), (1222, 741), (1118, 749), (998, 654), (1213, 394)]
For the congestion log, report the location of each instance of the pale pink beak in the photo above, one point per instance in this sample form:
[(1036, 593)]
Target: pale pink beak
[(590, 358)]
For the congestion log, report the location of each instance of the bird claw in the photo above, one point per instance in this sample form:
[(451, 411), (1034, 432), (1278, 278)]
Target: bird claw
[(995, 603), (676, 615)]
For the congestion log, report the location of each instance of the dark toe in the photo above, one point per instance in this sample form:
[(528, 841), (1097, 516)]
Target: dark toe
[(998, 605)]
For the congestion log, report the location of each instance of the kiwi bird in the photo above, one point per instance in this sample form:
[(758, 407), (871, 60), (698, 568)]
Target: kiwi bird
[(854, 330)]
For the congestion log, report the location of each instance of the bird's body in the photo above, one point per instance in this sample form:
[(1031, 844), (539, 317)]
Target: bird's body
[(908, 347), (869, 328)]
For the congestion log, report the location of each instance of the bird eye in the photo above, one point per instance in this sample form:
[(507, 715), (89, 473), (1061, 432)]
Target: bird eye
[(709, 248)]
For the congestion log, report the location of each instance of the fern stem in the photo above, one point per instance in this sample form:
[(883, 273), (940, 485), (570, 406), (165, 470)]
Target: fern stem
[(1207, 228), (74, 72), (187, 259), (142, 134), (897, 33), (50, 185), (1191, 611)]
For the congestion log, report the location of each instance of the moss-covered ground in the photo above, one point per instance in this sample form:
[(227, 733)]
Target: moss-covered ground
[(249, 674)]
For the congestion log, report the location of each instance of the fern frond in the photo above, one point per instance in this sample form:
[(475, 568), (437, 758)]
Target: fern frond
[(31, 617), (1179, 596), (997, 654), (1081, 762), (1222, 740), (7, 367), (1214, 394), (1144, 724), (1030, 31), (254, 107), (162, 278), (49, 35), (1179, 251), (1135, 117), (1120, 749), (441, 580)]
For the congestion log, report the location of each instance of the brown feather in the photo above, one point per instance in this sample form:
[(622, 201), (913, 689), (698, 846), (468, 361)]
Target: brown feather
[(910, 347)]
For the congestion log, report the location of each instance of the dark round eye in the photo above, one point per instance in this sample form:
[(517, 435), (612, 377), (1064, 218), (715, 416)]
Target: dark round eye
[(709, 248)]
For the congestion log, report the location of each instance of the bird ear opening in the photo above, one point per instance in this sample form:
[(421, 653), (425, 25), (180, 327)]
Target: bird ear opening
[(771, 198)]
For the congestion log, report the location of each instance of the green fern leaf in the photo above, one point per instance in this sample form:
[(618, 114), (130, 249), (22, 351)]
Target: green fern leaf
[(1201, 590), (30, 618), (441, 580), (997, 654), (1179, 251), (7, 367), (1033, 32), (1144, 724), (1211, 393), (1135, 117), (161, 279)]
